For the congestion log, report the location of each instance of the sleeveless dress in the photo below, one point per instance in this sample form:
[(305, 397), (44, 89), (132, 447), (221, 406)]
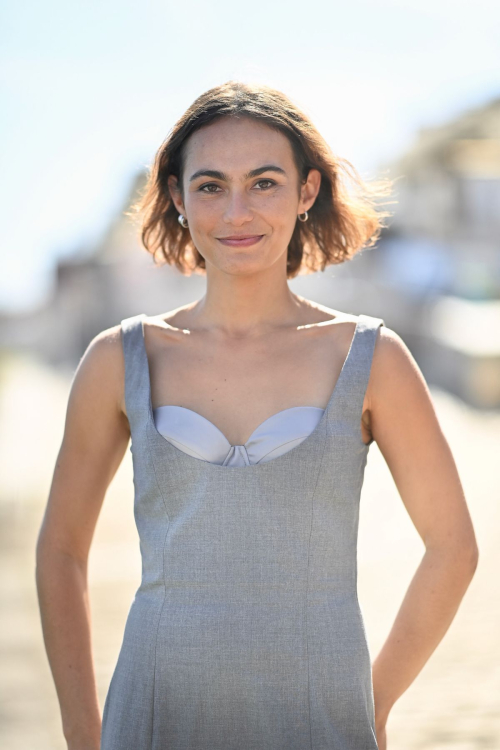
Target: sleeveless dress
[(246, 632)]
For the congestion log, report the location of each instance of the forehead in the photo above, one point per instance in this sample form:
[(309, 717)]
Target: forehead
[(236, 143)]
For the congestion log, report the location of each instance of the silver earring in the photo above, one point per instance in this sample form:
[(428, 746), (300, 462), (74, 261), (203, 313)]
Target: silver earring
[(305, 215), (182, 221)]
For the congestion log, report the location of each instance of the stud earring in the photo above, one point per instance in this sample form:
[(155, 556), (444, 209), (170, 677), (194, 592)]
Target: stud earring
[(182, 221), (305, 215)]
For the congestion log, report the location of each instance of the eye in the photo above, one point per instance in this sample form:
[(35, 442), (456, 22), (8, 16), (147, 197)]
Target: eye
[(213, 185), (271, 183), (207, 185)]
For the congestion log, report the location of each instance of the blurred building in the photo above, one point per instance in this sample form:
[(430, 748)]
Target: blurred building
[(443, 248), (446, 231)]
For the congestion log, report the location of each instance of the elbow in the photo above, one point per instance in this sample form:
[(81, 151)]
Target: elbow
[(474, 558), (470, 554), (469, 559), (463, 557)]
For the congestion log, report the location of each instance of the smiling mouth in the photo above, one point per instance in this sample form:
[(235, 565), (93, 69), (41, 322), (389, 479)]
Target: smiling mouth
[(243, 241)]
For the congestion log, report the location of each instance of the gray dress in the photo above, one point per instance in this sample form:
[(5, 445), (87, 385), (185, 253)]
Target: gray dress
[(246, 632)]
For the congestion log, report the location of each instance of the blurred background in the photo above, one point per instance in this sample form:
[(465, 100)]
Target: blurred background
[(407, 90)]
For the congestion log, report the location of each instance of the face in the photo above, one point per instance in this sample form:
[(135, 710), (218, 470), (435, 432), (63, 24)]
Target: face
[(240, 180)]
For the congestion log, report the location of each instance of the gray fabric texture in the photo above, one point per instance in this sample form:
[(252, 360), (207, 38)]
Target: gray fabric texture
[(246, 631)]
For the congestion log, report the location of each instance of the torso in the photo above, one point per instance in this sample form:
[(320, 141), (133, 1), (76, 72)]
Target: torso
[(239, 383)]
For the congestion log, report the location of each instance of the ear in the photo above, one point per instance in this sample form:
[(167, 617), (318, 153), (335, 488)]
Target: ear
[(175, 193), (309, 190)]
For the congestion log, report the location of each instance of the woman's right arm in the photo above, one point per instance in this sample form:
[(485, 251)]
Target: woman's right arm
[(96, 436)]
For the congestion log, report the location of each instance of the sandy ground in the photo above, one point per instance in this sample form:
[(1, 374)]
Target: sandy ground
[(453, 703)]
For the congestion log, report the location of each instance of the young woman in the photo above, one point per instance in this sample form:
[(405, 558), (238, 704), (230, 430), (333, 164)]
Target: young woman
[(251, 412)]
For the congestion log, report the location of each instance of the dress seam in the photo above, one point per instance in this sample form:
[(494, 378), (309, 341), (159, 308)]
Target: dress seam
[(164, 587), (307, 585)]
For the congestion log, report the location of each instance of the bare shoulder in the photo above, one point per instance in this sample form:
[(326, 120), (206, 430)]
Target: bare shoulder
[(101, 371), (397, 390), (393, 363), (104, 352)]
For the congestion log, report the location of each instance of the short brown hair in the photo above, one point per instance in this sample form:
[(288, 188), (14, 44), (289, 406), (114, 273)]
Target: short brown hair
[(339, 224)]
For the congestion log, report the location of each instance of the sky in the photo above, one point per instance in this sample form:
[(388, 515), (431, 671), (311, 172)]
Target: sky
[(89, 90)]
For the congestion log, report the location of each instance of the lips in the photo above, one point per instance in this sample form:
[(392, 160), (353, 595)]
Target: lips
[(241, 240), (239, 236)]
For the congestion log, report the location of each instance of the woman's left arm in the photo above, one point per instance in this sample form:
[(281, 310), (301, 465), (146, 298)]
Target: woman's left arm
[(405, 426)]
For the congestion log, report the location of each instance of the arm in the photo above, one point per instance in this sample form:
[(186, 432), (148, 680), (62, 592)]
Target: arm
[(406, 429), (96, 435)]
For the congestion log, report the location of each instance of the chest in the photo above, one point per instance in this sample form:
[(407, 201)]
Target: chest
[(237, 385)]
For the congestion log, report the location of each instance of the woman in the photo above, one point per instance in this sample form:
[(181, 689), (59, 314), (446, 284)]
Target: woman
[(251, 412)]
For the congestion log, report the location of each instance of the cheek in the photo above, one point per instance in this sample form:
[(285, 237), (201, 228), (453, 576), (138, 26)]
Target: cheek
[(203, 214), (195, 204), (281, 204), (281, 216)]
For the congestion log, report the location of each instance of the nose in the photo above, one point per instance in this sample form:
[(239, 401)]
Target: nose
[(237, 210)]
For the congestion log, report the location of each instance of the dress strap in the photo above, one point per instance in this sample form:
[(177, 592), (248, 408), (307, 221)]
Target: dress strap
[(355, 375), (137, 392)]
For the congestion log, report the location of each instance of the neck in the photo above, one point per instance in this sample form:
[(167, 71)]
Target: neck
[(246, 306)]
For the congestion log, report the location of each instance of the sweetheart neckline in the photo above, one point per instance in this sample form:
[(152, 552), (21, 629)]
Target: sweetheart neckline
[(260, 466), (236, 445)]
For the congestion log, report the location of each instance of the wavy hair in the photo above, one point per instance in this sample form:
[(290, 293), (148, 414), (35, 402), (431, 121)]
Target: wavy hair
[(345, 217)]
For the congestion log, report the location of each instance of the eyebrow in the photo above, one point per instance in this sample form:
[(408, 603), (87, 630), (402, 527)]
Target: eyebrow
[(222, 176)]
